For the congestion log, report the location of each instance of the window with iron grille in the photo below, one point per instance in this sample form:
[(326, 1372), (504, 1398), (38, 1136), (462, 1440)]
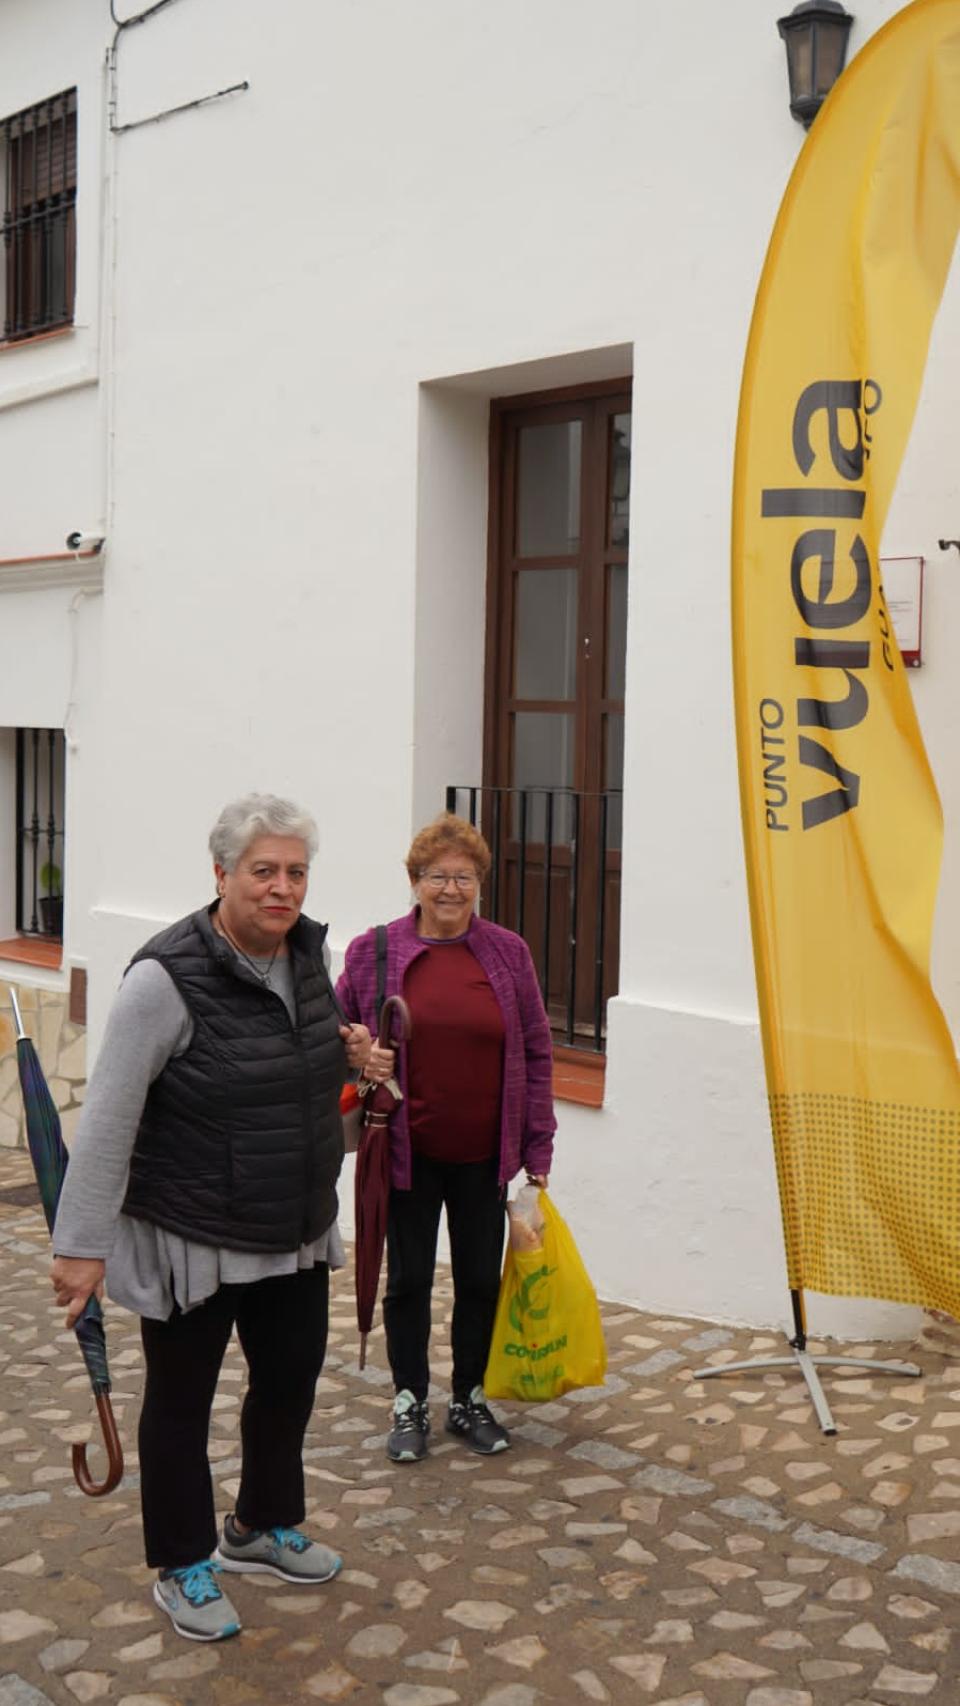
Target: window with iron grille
[(41, 755), (39, 150)]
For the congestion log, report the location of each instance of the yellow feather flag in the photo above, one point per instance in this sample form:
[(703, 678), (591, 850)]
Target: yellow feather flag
[(842, 822)]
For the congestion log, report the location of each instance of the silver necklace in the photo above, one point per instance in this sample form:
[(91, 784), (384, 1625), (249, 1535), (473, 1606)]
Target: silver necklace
[(262, 977)]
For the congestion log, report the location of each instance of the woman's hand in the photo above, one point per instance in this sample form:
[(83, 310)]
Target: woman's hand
[(541, 1180), (381, 1064), (356, 1043), (74, 1279), (364, 1055)]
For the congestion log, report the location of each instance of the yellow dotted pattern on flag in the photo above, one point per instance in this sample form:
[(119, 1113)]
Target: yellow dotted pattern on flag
[(870, 1195)]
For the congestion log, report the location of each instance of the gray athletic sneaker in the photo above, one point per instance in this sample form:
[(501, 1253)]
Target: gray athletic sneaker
[(471, 1420), (283, 1552), (195, 1603), (407, 1439)]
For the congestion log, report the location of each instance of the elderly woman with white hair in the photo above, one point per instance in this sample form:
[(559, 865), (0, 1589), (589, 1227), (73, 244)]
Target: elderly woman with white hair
[(202, 1188)]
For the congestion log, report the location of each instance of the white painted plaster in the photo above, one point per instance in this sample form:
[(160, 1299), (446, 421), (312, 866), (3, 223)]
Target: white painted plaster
[(309, 293)]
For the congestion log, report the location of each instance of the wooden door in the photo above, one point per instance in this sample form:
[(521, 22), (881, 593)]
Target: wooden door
[(555, 688)]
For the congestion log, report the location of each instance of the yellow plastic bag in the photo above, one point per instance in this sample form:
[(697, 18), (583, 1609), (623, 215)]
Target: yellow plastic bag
[(547, 1337)]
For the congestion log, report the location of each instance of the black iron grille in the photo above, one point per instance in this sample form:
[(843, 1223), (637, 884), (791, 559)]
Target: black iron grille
[(39, 147), (555, 879), (40, 806)]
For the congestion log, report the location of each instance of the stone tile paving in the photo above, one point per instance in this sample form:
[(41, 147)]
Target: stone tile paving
[(660, 1540), (61, 1046)]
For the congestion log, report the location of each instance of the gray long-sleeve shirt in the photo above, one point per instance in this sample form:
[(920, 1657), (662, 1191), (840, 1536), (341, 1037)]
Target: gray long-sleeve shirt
[(147, 1268)]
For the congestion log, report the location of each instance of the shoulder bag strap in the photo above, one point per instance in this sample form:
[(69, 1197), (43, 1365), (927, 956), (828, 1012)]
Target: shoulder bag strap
[(381, 967)]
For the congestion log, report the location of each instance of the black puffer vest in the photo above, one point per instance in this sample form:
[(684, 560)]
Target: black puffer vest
[(241, 1143)]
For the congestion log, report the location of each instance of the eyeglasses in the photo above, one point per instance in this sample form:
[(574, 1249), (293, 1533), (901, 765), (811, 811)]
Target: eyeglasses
[(438, 880)]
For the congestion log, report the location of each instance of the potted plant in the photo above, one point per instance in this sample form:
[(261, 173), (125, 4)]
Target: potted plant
[(51, 902)]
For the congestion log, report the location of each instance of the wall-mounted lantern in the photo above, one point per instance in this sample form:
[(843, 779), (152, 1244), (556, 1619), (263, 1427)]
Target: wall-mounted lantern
[(816, 34)]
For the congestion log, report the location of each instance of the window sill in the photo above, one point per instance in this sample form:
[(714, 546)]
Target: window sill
[(32, 951), (62, 359), (57, 568), (34, 338), (579, 1077)]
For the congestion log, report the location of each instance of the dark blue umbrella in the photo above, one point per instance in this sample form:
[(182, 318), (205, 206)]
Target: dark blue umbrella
[(49, 1156)]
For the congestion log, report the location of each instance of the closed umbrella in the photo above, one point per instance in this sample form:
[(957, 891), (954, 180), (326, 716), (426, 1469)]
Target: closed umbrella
[(49, 1156), (372, 1177)]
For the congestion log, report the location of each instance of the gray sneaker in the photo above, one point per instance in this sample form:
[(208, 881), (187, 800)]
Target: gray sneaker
[(283, 1552), (471, 1420), (407, 1439), (195, 1603)]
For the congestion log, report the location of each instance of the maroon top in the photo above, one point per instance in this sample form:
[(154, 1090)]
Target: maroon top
[(455, 1055)]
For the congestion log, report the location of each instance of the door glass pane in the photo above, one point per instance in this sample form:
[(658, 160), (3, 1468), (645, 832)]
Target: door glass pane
[(619, 479), (616, 630), (545, 643), (548, 490), (543, 761), (613, 775)]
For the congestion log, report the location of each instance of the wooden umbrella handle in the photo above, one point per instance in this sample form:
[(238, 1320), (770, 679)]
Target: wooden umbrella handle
[(394, 1004), (111, 1439)]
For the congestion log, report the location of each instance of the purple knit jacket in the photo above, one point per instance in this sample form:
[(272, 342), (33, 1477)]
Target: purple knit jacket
[(527, 1122)]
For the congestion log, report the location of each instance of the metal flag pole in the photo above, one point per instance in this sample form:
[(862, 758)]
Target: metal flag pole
[(808, 1363)]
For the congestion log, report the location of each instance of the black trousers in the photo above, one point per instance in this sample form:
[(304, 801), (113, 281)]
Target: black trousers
[(474, 1201), (282, 1327)]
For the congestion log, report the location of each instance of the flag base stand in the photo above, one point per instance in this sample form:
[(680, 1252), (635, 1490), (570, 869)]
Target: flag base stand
[(808, 1364)]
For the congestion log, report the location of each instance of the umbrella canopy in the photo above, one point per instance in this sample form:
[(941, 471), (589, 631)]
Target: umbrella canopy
[(372, 1177), (49, 1156)]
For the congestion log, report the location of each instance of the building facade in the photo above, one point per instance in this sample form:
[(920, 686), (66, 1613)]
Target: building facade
[(393, 354)]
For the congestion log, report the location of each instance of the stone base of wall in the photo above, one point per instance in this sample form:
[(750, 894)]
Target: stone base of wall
[(62, 1047)]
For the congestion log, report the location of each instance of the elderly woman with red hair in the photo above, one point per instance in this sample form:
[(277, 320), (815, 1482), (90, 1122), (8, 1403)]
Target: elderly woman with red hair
[(476, 1078)]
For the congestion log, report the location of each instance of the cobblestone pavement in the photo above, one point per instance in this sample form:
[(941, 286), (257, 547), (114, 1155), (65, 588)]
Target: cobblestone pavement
[(660, 1540)]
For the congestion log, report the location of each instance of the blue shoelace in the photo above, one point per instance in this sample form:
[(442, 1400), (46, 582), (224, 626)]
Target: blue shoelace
[(198, 1582), (291, 1537)]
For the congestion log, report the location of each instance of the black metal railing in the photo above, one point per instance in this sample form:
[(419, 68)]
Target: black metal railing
[(40, 834), (39, 146), (555, 880)]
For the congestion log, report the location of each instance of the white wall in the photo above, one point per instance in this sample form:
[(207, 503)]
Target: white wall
[(52, 448), (450, 593), (925, 509), (313, 289)]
